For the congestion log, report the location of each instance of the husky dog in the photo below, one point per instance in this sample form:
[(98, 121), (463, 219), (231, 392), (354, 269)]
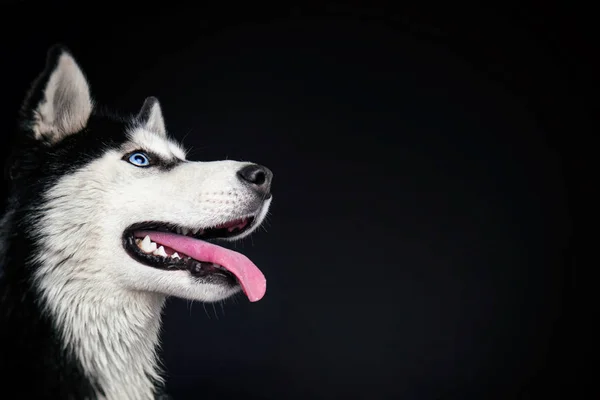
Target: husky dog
[(106, 218)]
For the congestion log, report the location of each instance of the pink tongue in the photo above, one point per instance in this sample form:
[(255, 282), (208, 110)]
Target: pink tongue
[(253, 282)]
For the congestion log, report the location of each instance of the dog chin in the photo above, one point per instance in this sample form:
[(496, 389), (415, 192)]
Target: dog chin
[(203, 292)]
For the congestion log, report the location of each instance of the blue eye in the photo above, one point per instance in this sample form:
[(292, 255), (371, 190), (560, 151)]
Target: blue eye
[(139, 159)]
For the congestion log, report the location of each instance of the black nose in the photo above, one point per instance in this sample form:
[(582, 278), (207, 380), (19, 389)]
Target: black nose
[(257, 176)]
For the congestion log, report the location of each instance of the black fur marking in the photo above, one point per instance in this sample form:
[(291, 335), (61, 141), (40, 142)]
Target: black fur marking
[(30, 345), (34, 361)]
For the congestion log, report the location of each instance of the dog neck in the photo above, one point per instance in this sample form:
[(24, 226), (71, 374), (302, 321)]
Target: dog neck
[(113, 334)]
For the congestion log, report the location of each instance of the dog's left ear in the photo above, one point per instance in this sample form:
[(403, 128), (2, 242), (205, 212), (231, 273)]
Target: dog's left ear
[(151, 118), (59, 102)]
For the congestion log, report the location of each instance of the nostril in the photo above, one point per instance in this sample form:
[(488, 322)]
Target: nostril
[(259, 178)]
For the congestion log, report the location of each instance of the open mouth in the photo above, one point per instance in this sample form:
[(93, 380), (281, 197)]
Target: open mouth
[(227, 230), (170, 247)]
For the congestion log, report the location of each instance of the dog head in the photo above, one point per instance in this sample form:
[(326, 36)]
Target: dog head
[(113, 204)]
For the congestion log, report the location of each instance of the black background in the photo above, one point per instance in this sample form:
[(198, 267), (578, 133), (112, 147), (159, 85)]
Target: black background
[(420, 244)]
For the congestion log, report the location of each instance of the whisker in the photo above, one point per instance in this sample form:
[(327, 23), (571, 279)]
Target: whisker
[(215, 311), (205, 310)]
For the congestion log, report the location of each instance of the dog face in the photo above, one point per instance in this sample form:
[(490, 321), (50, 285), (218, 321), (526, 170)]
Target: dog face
[(120, 207)]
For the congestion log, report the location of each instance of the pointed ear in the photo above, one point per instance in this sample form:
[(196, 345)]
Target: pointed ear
[(151, 118), (59, 102)]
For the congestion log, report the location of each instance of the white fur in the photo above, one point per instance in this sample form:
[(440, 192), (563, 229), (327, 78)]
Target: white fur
[(107, 305)]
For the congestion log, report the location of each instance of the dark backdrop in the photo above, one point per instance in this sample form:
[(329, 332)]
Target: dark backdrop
[(419, 243)]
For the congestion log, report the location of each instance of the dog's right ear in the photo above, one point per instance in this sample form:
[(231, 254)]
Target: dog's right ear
[(59, 102)]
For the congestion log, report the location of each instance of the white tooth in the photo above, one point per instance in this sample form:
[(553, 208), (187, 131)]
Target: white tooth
[(145, 245), (215, 265), (152, 247), (175, 255), (138, 241), (160, 252), (184, 231)]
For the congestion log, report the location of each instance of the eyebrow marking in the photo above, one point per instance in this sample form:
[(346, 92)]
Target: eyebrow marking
[(165, 153), (164, 164)]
